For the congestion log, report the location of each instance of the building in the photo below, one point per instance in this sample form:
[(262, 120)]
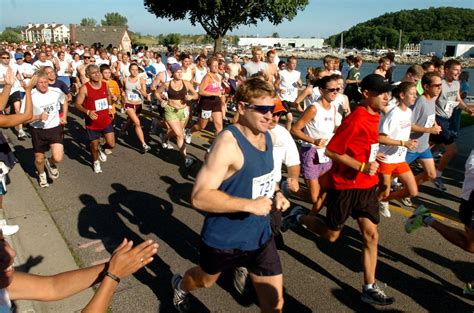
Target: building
[(47, 33), (113, 36), (314, 43), (447, 48)]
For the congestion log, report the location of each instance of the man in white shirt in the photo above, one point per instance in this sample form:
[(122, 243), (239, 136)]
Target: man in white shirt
[(290, 81), (46, 129)]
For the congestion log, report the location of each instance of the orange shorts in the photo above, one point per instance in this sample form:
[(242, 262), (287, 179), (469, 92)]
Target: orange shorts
[(393, 168)]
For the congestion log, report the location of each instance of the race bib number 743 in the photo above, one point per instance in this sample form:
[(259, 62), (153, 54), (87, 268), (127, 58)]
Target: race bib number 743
[(263, 186)]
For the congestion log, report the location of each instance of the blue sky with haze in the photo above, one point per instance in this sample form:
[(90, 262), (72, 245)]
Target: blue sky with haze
[(321, 18)]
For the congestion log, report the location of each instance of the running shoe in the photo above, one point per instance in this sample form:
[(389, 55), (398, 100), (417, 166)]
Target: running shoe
[(102, 155), (188, 136), (108, 151), (22, 135), (416, 220), (469, 289), (97, 168), (376, 295), (146, 148), (384, 208), (8, 230), (43, 180), (180, 298), (53, 170), (290, 221), (241, 279), (189, 161), (438, 181), (406, 201)]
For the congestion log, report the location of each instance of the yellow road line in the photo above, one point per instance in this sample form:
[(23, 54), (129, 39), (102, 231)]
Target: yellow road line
[(438, 215)]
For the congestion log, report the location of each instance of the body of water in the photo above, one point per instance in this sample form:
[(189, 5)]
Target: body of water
[(368, 68)]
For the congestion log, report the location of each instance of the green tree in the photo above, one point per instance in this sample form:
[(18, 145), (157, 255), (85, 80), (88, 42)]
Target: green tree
[(275, 35), (88, 21), (10, 36), (218, 17), (114, 19), (169, 40)]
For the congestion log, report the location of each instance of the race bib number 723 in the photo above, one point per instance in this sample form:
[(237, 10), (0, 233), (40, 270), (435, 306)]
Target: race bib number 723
[(263, 186)]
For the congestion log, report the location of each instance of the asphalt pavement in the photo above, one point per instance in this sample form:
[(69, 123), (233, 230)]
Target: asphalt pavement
[(82, 217)]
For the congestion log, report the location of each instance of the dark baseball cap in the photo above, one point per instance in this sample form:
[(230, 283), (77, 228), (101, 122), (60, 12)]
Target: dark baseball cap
[(375, 82)]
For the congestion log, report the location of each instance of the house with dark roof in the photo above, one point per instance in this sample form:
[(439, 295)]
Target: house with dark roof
[(46, 33), (115, 36)]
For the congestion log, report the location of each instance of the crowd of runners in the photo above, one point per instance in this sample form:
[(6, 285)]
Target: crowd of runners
[(353, 140)]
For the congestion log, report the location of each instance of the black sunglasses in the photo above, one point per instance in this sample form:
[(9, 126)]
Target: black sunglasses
[(262, 109), (332, 89)]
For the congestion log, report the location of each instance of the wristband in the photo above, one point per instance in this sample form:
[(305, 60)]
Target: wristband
[(362, 166), (274, 194), (87, 112), (109, 274), (402, 143)]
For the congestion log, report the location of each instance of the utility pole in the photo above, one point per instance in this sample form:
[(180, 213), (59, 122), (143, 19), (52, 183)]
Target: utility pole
[(400, 43)]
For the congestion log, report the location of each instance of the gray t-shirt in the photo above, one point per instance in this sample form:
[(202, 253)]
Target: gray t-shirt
[(424, 116), (446, 101)]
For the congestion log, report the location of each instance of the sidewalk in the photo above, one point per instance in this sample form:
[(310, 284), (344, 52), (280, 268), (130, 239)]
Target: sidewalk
[(38, 237)]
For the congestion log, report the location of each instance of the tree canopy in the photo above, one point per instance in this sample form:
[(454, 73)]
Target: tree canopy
[(88, 21), (114, 19), (10, 35), (218, 17), (416, 25)]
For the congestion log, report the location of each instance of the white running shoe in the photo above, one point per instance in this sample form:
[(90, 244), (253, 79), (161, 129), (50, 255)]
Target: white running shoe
[(53, 170), (43, 180), (146, 148), (8, 230), (188, 136), (97, 168), (102, 155), (384, 208)]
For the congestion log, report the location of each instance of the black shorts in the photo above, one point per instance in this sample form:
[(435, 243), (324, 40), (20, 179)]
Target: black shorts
[(212, 103), (14, 97), (264, 261), (43, 138), (95, 134), (447, 135), (466, 211), (351, 202)]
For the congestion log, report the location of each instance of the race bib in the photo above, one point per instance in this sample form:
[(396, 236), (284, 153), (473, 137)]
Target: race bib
[(430, 121), (401, 152), (322, 156), (450, 106), (186, 112), (148, 81), (49, 108), (374, 149), (101, 104), (263, 186), (205, 114), (131, 96)]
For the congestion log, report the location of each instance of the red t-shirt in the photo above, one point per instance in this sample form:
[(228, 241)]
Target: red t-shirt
[(357, 137), (96, 100)]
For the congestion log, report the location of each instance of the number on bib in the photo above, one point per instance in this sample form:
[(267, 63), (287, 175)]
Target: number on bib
[(131, 96), (430, 119), (322, 156), (263, 186), (374, 149), (450, 106), (101, 104), (205, 114)]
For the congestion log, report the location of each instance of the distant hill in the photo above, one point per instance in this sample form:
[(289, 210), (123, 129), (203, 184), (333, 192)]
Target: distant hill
[(434, 23)]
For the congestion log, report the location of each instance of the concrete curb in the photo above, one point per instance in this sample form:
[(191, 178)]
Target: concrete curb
[(38, 237)]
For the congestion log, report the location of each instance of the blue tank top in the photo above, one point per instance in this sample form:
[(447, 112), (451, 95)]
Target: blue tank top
[(243, 231)]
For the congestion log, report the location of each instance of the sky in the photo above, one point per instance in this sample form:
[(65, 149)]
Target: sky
[(320, 18)]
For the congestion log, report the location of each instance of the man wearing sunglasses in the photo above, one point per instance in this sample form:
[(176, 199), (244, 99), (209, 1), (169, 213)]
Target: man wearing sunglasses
[(235, 187)]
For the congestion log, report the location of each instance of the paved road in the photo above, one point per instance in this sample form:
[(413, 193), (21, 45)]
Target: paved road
[(141, 196)]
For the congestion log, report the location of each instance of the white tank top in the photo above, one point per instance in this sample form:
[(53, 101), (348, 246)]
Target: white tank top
[(199, 75), (124, 71), (322, 125), (63, 65), (338, 104), (315, 94)]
